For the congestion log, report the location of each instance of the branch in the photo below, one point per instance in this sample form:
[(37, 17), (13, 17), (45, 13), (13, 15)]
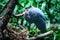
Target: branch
[(40, 36), (6, 17), (4, 7), (55, 25), (18, 15)]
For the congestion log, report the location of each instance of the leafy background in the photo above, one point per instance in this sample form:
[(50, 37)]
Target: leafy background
[(51, 9)]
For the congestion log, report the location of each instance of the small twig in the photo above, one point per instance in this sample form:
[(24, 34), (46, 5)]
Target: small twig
[(20, 26), (18, 15), (41, 35)]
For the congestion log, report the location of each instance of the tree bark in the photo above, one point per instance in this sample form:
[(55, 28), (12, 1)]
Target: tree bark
[(6, 17)]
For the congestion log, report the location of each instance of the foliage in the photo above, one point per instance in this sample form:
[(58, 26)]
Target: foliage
[(51, 9)]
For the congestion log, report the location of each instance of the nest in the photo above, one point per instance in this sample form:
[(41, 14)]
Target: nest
[(16, 33)]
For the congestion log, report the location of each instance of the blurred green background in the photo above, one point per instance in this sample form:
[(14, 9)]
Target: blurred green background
[(51, 9)]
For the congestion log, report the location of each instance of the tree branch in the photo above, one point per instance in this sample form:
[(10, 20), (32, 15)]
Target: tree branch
[(4, 7), (8, 14), (40, 36), (6, 17), (18, 15)]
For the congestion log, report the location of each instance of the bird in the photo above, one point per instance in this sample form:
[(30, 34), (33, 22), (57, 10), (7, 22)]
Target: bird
[(36, 16)]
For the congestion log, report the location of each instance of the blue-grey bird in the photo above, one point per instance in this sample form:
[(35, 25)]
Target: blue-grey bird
[(36, 16)]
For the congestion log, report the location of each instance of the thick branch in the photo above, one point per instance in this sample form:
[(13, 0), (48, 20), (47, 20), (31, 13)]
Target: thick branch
[(40, 36), (4, 7), (6, 17), (8, 14)]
